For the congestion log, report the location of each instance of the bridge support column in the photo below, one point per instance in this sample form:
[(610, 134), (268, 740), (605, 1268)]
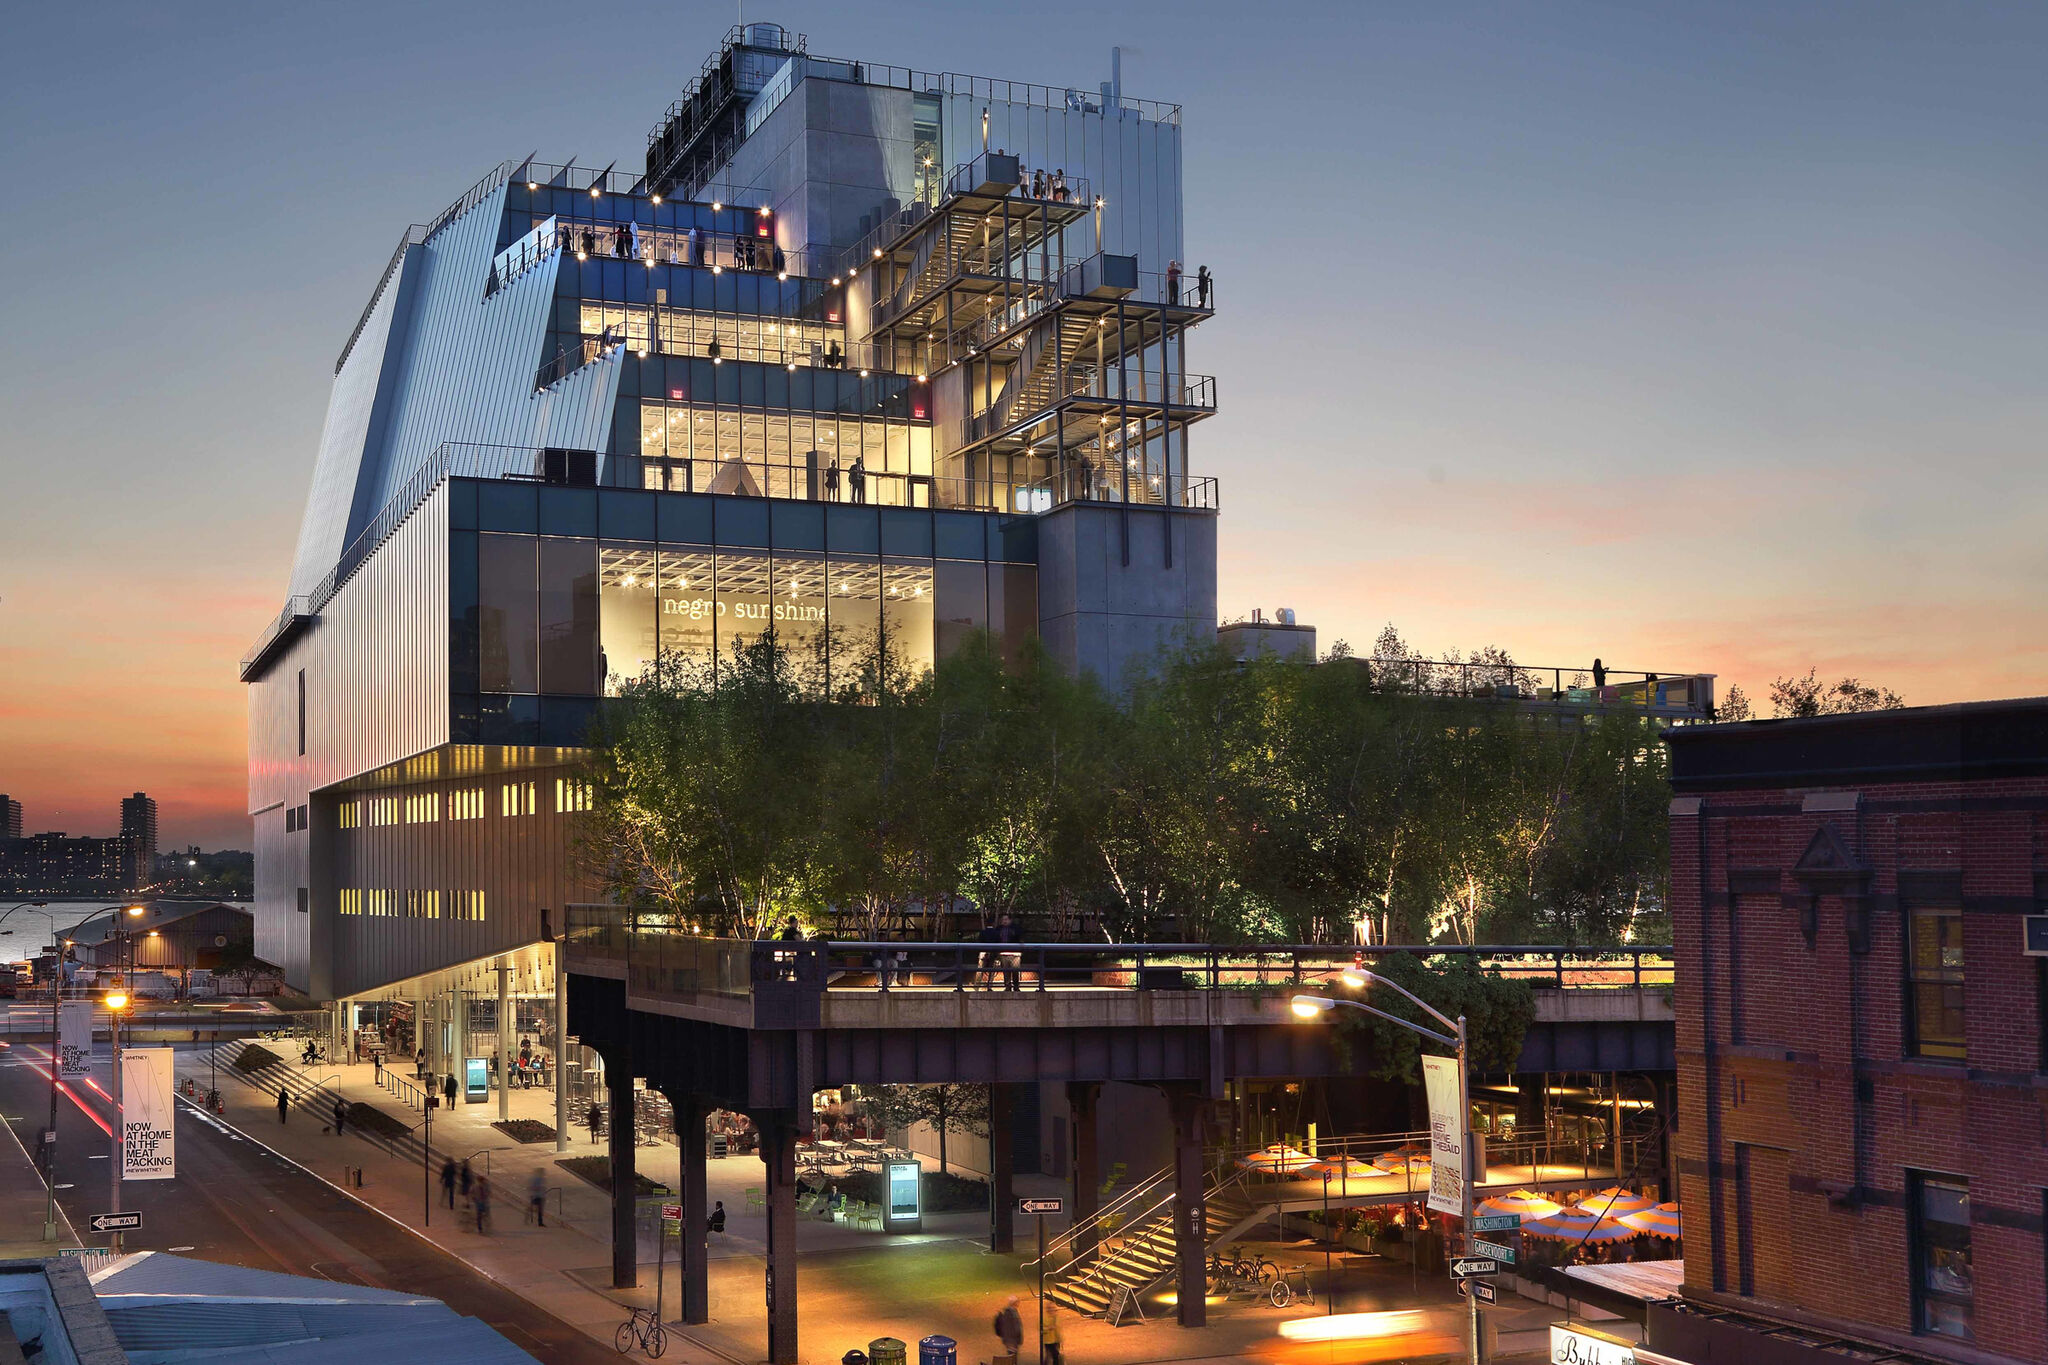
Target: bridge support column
[(1190, 1218), (690, 1113), (1002, 1201), (1081, 1099), (1531, 1124), (618, 1085), (778, 1153)]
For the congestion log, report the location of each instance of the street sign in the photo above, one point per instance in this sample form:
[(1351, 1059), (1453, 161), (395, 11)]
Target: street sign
[(1499, 1253), (1481, 1290), (1040, 1205), (116, 1222), (1465, 1267), (672, 1212), (1496, 1222)]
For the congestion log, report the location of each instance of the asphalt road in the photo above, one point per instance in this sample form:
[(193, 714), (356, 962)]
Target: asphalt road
[(234, 1201)]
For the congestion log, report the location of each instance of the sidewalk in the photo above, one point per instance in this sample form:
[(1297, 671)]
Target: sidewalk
[(23, 1203), (855, 1285)]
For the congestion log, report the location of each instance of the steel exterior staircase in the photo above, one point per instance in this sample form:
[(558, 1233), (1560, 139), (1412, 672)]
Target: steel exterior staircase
[(1035, 381), (1142, 1253)]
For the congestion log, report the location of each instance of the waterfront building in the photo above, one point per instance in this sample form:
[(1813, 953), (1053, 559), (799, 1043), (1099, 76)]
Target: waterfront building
[(865, 355)]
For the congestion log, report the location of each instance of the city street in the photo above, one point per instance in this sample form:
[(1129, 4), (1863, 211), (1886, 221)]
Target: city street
[(234, 1201)]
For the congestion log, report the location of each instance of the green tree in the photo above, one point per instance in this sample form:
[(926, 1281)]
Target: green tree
[(1496, 1011), (1809, 696)]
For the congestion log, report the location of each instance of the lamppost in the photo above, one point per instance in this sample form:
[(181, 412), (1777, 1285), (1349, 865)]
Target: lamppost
[(64, 941), (1356, 976), (116, 1001)]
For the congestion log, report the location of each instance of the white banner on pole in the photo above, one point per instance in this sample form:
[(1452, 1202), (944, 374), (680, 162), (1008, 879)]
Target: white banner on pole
[(74, 1038), (148, 1104), (1446, 1135)]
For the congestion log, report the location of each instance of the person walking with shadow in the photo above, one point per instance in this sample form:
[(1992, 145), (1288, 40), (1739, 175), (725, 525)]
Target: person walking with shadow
[(1049, 1337), (448, 1181), (537, 1195), (483, 1204), (1009, 1328), (466, 1180), (448, 1089), (340, 1117), (284, 1102), (595, 1118)]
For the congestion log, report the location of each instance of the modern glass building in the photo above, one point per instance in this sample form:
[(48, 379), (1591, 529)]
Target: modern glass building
[(861, 353)]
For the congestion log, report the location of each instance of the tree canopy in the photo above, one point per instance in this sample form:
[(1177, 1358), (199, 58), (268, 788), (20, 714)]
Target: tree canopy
[(1209, 799)]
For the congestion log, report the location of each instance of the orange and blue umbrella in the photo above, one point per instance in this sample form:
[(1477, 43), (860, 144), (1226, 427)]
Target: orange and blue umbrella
[(1528, 1206), (1661, 1221), (1615, 1201), (1570, 1225)]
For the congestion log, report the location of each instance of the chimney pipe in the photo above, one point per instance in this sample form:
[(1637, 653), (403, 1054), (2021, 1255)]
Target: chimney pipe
[(1116, 78)]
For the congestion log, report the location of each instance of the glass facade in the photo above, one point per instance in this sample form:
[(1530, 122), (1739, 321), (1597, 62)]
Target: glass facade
[(572, 593)]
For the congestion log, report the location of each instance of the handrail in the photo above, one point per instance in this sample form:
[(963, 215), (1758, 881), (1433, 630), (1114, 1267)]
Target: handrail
[(1109, 1210), (960, 966)]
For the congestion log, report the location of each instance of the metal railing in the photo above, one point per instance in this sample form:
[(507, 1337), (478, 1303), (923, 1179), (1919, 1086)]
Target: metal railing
[(966, 177), (879, 967), (451, 459), (1083, 482), (1689, 693)]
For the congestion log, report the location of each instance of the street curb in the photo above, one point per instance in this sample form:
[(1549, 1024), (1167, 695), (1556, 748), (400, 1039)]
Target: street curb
[(63, 1220)]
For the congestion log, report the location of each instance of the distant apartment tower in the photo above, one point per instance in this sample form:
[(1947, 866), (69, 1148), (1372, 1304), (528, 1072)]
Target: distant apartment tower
[(138, 831), (10, 818)]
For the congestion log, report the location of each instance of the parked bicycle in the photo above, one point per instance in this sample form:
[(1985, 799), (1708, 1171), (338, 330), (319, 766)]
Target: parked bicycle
[(645, 1330)]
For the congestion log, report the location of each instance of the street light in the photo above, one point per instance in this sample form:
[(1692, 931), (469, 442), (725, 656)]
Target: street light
[(65, 940), (116, 1001), (1317, 1006)]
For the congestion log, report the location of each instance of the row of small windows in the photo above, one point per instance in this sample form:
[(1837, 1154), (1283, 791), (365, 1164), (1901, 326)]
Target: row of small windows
[(467, 803), (411, 903)]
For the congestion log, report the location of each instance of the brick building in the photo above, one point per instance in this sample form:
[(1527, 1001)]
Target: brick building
[(1862, 1055)]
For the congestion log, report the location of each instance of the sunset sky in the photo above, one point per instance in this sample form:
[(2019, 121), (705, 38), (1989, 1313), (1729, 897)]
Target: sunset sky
[(1702, 339)]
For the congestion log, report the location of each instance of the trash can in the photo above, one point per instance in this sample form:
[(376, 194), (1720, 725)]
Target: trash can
[(886, 1351), (936, 1351), (854, 1357)]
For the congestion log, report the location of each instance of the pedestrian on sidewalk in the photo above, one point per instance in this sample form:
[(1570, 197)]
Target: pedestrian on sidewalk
[(284, 1101), (340, 1117), (467, 1180), (537, 1195), (1049, 1336), (1009, 1329), (448, 1089), (483, 1204), (448, 1180), (595, 1118), (377, 1067)]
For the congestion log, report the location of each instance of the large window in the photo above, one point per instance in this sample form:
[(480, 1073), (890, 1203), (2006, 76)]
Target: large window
[(508, 658), (785, 454), (568, 616), (1934, 984), (1943, 1287), (627, 613)]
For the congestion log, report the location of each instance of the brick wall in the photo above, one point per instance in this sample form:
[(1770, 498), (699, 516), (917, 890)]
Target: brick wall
[(1774, 1034)]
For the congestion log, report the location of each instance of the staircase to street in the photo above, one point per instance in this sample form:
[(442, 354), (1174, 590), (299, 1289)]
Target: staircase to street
[(1136, 1250)]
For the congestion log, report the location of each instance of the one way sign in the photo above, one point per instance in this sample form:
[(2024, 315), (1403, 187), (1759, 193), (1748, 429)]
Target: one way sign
[(1039, 1205), (116, 1222)]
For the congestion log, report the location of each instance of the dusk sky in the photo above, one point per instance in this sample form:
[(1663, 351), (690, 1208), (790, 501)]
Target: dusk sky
[(1702, 341)]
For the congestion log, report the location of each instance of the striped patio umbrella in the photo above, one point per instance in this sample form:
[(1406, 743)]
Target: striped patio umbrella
[(1397, 1161), (1529, 1206), (1662, 1221), (1614, 1201), (1346, 1168), (1277, 1159), (1575, 1228)]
